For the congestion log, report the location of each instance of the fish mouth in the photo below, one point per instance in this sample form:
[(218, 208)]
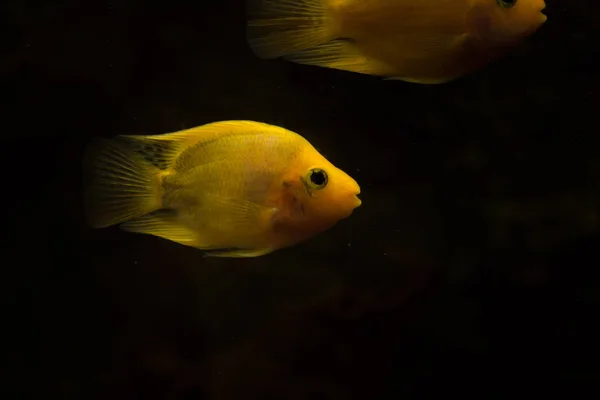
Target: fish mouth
[(543, 16), (357, 200)]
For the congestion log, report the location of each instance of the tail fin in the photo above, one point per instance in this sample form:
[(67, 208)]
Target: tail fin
[(281, 27), (124, 183)]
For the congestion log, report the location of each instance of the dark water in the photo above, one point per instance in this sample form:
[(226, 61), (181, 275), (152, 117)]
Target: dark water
[(471, 269)]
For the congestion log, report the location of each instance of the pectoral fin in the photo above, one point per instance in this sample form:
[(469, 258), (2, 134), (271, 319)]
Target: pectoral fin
[(238, 215)]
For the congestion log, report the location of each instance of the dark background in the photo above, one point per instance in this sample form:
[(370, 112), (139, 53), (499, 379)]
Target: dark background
[(471, 268)]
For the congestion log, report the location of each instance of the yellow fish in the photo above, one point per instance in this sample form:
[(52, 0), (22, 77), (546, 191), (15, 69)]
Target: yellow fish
[(231, 188), (420, 41)]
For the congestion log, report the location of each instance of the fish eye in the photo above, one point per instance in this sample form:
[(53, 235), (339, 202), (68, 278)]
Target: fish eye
[(317, 178), (506, 3)]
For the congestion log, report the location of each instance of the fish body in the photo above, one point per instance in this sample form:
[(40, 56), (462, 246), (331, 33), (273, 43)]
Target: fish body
[(420, 41), (231, 188)]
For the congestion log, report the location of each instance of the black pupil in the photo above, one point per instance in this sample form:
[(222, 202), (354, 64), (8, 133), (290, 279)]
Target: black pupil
[(318, 178)]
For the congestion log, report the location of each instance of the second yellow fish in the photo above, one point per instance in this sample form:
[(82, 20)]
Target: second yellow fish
[(231, 188), (421, 41)]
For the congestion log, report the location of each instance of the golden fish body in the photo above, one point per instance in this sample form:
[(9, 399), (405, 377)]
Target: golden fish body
[(232, 188), (422, 41)]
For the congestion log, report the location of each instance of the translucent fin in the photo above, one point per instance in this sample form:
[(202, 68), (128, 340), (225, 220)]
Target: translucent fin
[(159, 152), (279, 27), (238, 253), (163, 223), (123, 184), (339, 54), (422, 81), (172, 144), (236, 215)]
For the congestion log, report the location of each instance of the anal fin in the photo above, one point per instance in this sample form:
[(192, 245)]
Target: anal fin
[(339, 54), (238, 253), (422, 81), (164, 224)]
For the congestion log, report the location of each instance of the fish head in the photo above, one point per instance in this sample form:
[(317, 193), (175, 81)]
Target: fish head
[(322, 193), (504, 23), (330, 193)]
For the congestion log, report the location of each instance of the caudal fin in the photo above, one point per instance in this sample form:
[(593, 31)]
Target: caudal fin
[(281, 27), (124, 184)]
